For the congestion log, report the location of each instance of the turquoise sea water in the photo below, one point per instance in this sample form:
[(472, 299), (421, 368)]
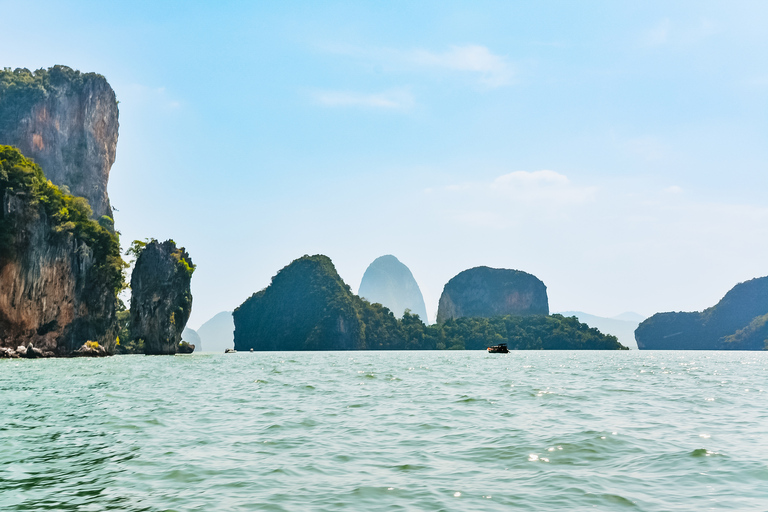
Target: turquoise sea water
[(365, 431)]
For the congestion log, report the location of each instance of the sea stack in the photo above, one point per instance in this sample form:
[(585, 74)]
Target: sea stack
[(738, 322), (390, 283), (161, 300), (489, 292), (67, 122)]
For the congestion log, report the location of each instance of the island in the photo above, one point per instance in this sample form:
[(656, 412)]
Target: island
[(308, 306), (738, 322)]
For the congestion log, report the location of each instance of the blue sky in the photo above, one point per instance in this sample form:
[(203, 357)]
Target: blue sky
[(617, 150)]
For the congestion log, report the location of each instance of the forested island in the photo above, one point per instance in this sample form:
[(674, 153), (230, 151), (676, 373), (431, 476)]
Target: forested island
[(309, 307), (738, 322)]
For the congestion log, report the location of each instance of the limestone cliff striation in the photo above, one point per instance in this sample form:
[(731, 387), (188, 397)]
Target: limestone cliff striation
[(738, 322), (67, 122), (161, 301), (60, 271), (488, 292), (390, 283)]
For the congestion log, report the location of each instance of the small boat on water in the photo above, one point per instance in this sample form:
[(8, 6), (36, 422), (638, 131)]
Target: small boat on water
[(230, 351), (501, 348)]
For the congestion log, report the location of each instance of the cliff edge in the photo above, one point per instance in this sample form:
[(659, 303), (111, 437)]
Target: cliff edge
[(67, 122)]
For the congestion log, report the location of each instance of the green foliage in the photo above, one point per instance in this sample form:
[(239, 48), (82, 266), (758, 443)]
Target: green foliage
[(184, 264), (308, 307), (68, 216), (533, 332), (134, 251)]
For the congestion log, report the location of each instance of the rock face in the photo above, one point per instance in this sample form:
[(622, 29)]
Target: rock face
[(307, 307), (489, 292), (67, 122), (391, 284), (738, 322), (161, 301), (59, 271)]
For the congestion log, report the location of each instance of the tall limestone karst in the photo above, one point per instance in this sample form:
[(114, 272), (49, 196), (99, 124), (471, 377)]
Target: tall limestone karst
[(738, 322), (489, 292), (67, 122), (391, 284), (60, 271), (161, 300)]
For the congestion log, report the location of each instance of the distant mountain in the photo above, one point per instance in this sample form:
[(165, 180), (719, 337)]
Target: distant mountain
[(622, 326), (488, 292), (390, 283), (738, 322), (191, 337), (218, 333), (630, 316)]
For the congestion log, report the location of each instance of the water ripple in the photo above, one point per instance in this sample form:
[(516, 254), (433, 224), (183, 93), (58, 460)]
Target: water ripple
[(449, 431)]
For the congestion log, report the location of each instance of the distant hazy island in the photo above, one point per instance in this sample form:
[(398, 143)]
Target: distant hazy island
[(309, 307)]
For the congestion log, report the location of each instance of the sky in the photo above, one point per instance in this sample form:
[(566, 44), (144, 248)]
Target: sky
[(616, 150)]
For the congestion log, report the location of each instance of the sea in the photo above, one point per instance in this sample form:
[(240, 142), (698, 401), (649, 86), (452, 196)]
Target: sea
[(386, 431)]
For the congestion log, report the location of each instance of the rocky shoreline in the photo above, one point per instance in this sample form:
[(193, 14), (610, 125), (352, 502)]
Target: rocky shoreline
[(89, 349)]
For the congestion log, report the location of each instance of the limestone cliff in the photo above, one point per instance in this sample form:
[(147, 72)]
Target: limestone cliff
[(59, 271), (391, 284), (488, 292), (67, 122), (738, 322), (161, 300)]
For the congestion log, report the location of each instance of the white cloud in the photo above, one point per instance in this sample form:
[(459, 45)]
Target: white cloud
[(667, 33), (393, 100), (472, 60), (512, 197), (674, 189), (659, 34), (492, 70)]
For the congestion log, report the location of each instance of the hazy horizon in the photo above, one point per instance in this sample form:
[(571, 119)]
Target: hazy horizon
[(617, 151)]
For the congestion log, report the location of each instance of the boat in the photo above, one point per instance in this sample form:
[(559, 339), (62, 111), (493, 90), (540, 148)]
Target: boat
[(230, 351), (501, 348)]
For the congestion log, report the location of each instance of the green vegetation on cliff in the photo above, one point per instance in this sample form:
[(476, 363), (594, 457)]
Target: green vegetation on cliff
[(21, 88), (67, 215), (309, 307)]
